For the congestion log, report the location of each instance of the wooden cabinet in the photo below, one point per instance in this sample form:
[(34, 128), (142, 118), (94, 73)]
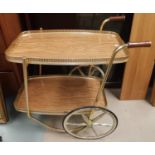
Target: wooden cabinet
[(139, 68), (10, 77), (3, 113)]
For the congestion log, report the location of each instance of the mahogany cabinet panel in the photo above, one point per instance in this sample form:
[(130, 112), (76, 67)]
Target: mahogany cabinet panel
[(9, 29), (2, 42), (3, 113), (4, 64), (10, 26), (9, 83)]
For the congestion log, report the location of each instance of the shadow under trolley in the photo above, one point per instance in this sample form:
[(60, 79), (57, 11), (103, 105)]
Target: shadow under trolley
[(80, 98)]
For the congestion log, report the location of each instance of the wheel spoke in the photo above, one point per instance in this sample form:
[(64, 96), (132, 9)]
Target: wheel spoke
[(76, 130), (76, 124), (98, 117), (81, 72), (93, 71), (90, 70), (83, 129), (91, 113), (102, 124), (94, 131), (85, 118)]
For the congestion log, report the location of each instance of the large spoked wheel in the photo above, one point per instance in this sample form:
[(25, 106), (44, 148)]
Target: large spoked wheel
[(90, 122)]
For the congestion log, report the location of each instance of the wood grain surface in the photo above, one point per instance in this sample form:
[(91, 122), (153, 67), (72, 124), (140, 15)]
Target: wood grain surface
[(140, 65), (59, 94), (65, 47)]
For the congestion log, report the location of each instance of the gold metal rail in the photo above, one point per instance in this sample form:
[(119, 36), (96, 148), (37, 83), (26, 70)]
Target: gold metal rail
[(115, 18)]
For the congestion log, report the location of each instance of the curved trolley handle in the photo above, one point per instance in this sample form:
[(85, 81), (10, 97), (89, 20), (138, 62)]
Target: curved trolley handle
[(113, 18), (117, 50), (139, 44)]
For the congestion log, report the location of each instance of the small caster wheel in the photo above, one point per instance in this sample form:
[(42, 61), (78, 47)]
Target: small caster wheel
[(90, 122)]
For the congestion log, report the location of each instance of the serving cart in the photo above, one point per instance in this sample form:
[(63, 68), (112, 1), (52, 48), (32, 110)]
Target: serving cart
[(79, 97)]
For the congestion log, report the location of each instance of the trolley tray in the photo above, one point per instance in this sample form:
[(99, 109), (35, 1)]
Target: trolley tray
[(66, 47), (59, 94)]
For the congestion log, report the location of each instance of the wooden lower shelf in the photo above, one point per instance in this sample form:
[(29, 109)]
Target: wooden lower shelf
[(59, 94)]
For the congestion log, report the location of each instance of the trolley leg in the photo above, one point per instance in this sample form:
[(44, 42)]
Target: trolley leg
[(25, 73), (102, 85), (25, 65), (109, 69), (90, 70)]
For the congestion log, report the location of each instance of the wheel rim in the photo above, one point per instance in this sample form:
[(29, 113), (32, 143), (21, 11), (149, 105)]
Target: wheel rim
[(90, 122)]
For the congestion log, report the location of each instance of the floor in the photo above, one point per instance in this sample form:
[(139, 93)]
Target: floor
[(136, 123)]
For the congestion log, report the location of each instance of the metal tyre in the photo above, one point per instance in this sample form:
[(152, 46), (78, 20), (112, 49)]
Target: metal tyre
[(90, 122)]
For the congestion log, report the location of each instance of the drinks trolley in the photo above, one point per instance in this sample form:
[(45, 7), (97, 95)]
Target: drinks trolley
[(80, 98)]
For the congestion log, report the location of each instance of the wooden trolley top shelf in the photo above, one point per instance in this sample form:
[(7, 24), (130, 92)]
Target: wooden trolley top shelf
[(59, 94), (65, 47)]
